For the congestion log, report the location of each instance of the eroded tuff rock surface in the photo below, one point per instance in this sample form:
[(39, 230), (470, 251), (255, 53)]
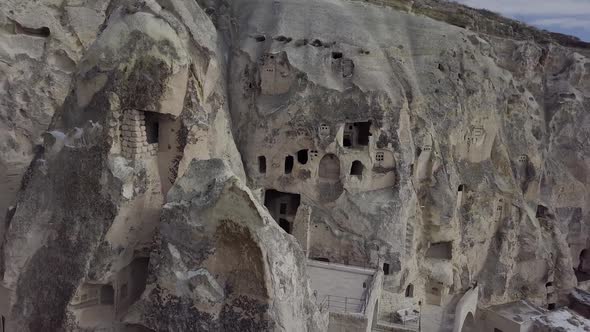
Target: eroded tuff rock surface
[(222, 263), (397, 139)]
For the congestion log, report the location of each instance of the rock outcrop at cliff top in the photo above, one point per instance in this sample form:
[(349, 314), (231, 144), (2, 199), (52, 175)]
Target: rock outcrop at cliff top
[(444, 144)]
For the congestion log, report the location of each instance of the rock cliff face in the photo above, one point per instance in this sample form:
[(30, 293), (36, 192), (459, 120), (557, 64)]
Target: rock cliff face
[(444, 145)]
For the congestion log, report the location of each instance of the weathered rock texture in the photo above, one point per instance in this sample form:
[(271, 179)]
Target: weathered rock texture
[(222, 263), (395, 137)]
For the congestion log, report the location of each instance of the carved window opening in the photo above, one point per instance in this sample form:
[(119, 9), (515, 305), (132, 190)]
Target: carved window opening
[(289, 164), (410, 291), (542, 211), (302, 156), (357, 169), (440, 250), (364, 131), (282, 207), (385, 269), (107, 294), (43, 32), (322, 259), (550, 301), (152, 127), (461, 188), (347, 138), (356, 134), (379, 156), (262, 164)]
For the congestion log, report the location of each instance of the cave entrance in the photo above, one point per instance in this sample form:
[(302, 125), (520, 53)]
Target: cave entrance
[(282, 207), (93, 305), (550, 295), (357, 169), (356, 134), (152, 127), (130, 283), (107, 294), (285, 225), (542, 212)]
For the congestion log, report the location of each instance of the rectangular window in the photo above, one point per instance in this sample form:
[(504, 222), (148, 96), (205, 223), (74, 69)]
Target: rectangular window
[(152, 127), (289, 161), (385, 269), (262, 164)]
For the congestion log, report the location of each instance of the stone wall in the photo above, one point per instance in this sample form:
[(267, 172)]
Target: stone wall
[(133, 131)]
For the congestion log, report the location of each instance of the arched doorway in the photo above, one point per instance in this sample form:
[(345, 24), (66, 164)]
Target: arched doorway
[(357, 169), (329, 167), (469, 323), (330, 186)]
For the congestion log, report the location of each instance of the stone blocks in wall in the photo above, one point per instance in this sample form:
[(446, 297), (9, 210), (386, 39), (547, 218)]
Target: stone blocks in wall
[(134, 143)]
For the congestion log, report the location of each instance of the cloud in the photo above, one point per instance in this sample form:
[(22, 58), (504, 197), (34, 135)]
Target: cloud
[(533, 7), (563, 22), (565, 16)]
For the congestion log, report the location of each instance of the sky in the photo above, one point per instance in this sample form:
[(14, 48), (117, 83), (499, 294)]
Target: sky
[(570, 17)]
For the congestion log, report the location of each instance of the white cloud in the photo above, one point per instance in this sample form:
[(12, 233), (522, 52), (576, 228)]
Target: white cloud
[(563, 22), (567, 16), (533, 7)]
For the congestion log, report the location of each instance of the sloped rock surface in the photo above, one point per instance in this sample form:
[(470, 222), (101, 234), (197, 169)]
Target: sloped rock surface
[(448, 155), (223, 263)]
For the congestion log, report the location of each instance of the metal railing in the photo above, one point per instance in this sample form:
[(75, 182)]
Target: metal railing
[(336, 303)]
